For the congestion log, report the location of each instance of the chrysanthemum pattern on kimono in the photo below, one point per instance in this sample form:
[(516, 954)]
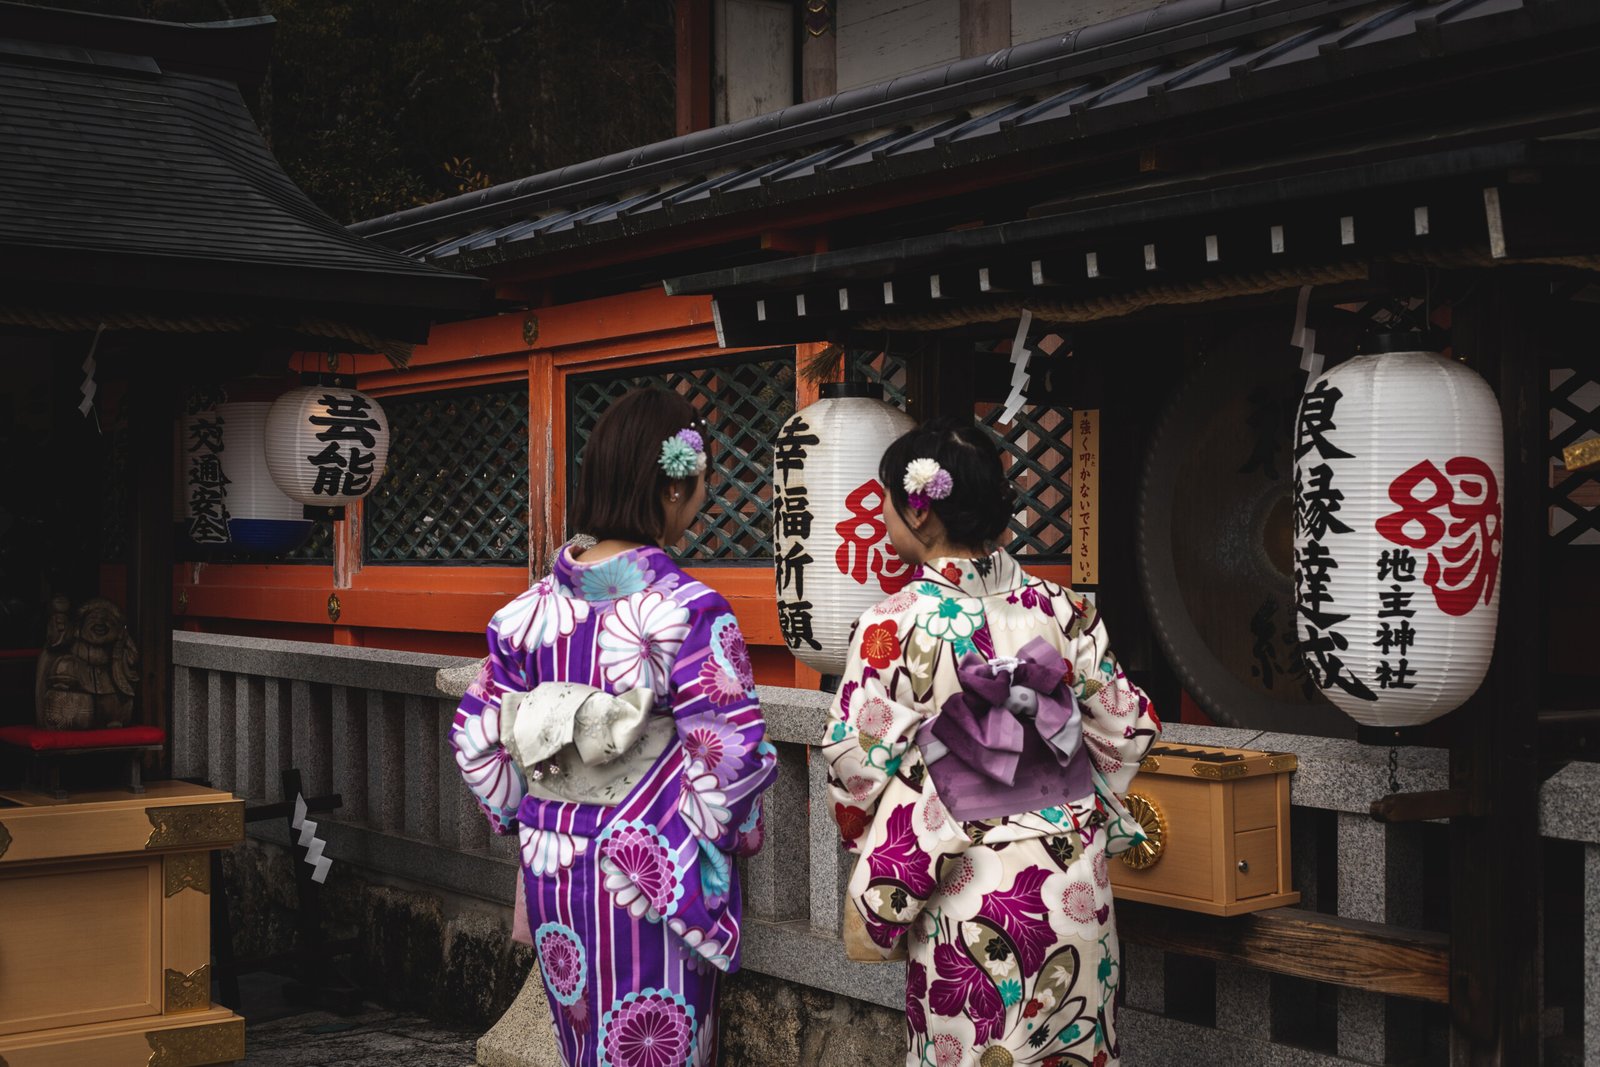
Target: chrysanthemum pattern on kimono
[(634, 908), (1012, 939)]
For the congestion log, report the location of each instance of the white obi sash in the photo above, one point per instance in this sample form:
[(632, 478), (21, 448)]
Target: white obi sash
[(578, 743)]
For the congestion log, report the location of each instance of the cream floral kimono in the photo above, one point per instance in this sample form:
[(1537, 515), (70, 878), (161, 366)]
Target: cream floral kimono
[(1013, 954)]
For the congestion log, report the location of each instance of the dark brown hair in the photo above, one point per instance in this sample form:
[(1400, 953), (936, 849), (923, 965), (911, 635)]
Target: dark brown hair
[(620, 480), (981, 501)]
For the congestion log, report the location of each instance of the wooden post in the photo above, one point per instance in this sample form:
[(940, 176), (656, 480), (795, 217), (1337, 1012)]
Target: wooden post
[(694, 65), (1495, 906), (153, 408), (939, 378), (985, 26), (819, 58)]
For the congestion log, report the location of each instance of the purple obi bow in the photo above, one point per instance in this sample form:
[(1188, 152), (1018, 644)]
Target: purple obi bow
[(1011, 741)]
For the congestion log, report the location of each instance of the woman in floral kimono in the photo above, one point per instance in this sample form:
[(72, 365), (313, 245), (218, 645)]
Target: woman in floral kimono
[(615, 729), (976, 749)]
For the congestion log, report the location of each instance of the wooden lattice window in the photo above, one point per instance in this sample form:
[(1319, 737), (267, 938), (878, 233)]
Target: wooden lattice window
[(1574, 496), (745, 401), (1036, 448), (456, 487)]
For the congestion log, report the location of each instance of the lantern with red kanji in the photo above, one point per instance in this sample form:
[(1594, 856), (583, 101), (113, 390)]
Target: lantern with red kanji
[(1399, 463), (832, 550), (326, 445)]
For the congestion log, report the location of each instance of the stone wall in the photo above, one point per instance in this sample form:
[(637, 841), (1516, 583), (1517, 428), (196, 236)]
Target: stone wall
[(449, 958)]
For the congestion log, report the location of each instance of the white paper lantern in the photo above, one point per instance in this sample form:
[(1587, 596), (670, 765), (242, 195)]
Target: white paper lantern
[(1398, 470), (326, 445), (833, 556), (224, 498)]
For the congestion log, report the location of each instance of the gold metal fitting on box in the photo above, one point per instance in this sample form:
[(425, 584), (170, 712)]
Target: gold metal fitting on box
[(1146, 853)]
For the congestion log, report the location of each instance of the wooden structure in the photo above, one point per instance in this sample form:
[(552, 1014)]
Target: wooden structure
[(105, 956), (1217, 826), (1153, 190), (156, 248), (199, 260)]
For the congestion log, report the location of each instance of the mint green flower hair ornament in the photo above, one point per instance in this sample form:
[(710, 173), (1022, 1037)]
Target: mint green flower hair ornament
[(683, 454)]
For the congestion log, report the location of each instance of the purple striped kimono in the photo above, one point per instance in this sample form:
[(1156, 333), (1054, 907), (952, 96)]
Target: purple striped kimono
[(634, 909)]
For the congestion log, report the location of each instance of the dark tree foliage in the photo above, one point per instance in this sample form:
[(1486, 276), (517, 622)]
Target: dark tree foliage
[(377, 105)]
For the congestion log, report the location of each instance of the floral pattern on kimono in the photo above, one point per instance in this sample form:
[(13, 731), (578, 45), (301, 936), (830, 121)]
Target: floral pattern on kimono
[(1009, 922), (634, 909)]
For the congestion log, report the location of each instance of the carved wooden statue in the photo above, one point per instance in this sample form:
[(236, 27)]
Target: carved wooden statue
[(88, 672)]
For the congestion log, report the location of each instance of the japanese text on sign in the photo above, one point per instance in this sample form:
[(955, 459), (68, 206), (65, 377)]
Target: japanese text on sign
[(208, 486), (1085, 497), (791, 517), (1317, 506), (347, 421)]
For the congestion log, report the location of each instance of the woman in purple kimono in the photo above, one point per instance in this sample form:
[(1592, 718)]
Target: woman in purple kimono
[(977, 748), (615, 728)]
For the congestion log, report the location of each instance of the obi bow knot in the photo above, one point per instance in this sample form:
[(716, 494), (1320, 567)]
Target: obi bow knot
[(577, 743), (1012, 734)]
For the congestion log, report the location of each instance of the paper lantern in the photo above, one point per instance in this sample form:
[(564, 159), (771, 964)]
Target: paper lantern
[(833, 556), (225, 499), (1397, 533), (326, 445)]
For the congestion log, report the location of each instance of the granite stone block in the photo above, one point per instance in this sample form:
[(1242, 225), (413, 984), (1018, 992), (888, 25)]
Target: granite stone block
[(523, 1037), (1144, 978), (312, 736), (308, 661), (250, 735), (348, 726), (453, 681), (1244, 1001), (1569, 804), (775, 879), (386, 763), (1155, 1041), (420, 766), (1591, 955), (189, 722), (220, 731), (829, 861), (1343, 775), (797, 716), (1380, 879), (794, 952), (278, 737)]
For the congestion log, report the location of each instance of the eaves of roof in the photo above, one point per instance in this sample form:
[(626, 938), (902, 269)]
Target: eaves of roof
[(1183, 59), (125, 179)]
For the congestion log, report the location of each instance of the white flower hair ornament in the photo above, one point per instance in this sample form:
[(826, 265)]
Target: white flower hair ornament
[(925, 482), (683, 454)]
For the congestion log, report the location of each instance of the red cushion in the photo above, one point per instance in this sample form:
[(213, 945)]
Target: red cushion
[(45, 740)]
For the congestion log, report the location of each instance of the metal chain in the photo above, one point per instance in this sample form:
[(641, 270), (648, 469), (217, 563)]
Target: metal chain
[(1394, 765)]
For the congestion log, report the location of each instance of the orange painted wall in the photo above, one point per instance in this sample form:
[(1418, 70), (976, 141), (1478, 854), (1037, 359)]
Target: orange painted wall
[(444, 609)]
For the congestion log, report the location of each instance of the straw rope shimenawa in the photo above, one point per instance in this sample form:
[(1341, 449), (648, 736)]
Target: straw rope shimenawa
[(1256, 283), (397, 353)]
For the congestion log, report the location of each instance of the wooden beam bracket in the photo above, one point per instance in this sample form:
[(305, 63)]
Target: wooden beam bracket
[(1420, 807)]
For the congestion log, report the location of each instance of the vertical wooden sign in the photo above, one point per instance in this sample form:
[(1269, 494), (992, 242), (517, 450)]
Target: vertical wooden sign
[(1086, 497)]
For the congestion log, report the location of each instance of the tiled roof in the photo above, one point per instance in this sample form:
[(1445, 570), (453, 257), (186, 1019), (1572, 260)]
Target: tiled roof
[(144, 171), (1185, 58)]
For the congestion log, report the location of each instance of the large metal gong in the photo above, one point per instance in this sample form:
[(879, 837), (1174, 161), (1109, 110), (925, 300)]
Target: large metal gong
[(1215, 527)]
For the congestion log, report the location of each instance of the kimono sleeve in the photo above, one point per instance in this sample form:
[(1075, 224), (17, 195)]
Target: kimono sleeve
[(867, 737), (1119, 722), (728, 760), (491, 774)]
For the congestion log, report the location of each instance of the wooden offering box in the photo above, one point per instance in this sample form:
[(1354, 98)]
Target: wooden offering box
[(105, 935), (1217, 820)]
